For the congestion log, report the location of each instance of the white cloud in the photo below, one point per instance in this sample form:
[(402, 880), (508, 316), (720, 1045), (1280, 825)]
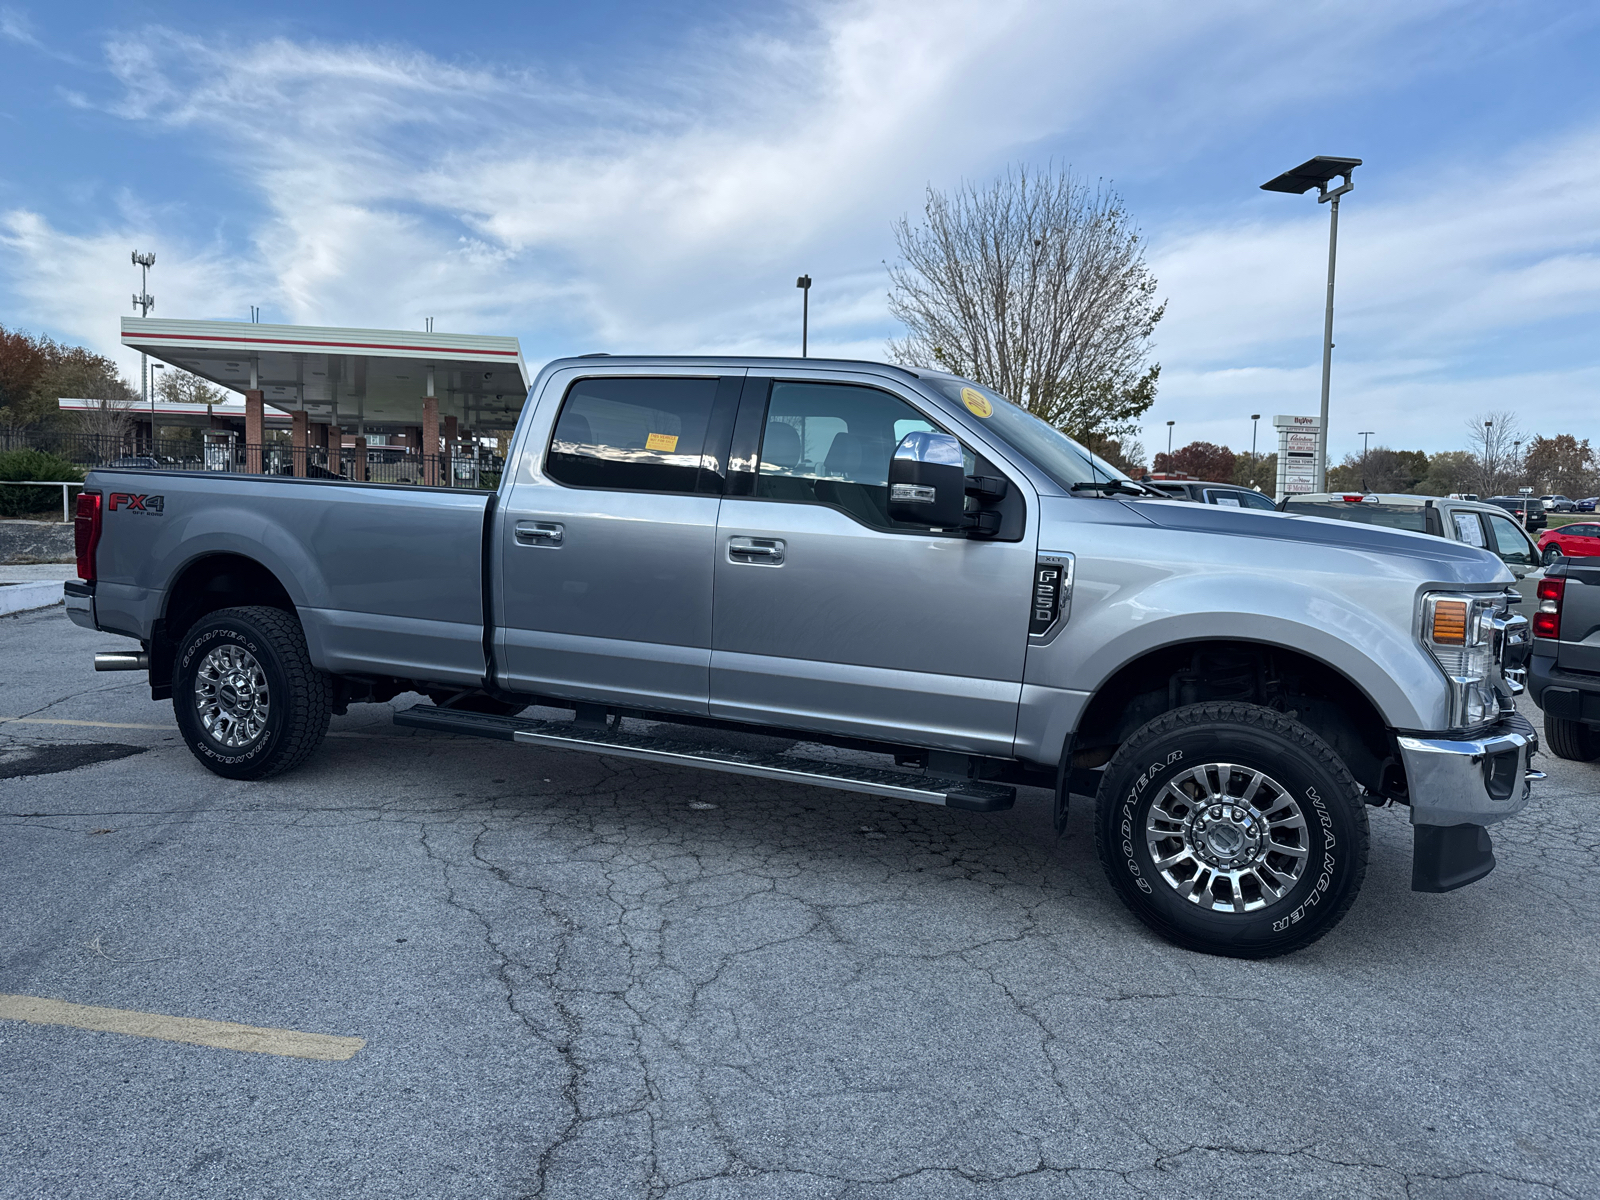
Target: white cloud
[(1425, 281), (671, 208)]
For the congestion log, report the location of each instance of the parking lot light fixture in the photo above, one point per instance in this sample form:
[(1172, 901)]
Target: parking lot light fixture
[(1317, 173), (1170, 424), (804, 284)]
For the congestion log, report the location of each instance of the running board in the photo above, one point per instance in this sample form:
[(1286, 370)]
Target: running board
[(969, 794)]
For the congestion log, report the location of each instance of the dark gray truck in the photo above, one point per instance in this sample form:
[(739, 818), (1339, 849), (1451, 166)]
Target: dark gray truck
[(1564, 671), (891, 561)]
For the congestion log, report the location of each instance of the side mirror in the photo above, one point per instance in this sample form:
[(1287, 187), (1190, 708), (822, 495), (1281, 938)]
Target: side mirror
[(927, 482)]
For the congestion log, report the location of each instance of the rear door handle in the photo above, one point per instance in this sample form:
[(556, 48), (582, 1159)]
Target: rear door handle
[(760, 552), (539, 533)]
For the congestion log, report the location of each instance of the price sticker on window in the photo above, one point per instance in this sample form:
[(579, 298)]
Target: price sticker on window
[(667, 442), (977, 403)]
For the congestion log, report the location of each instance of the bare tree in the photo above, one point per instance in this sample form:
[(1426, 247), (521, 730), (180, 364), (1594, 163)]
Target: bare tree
[(1493, 439), (1038, 288), (108, 421)]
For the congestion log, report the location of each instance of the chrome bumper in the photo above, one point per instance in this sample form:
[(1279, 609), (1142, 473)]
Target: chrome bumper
[(80, 602), (1473, 782)]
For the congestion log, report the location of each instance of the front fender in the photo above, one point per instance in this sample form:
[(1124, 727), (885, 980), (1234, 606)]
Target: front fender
[(1148, 589)]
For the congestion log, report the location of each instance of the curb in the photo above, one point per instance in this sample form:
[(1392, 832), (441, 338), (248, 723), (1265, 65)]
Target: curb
[(20, 597)]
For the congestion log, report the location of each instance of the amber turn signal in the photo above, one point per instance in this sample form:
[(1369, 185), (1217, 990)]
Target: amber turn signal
[(1449, 623)]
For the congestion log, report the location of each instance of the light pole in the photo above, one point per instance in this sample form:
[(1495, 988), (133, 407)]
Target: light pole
[(1170, 424), (804, 284), (142, 304), (1318, 173), (1255, 419), (1365, 434)]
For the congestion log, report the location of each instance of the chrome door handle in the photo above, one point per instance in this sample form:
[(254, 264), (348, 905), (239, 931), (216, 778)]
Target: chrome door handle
[(539, 533), (761, 552)]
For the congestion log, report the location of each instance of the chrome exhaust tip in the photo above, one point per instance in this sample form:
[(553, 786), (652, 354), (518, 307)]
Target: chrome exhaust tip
[(122, 660)]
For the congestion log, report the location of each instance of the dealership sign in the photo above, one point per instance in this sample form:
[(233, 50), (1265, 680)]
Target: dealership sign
[(1299, 440)]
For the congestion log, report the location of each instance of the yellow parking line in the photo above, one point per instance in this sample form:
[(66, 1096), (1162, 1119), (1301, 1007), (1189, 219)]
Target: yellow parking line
[(224, 1035), (95, 724)]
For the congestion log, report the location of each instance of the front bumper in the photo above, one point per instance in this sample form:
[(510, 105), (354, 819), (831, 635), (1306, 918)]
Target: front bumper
[(1475, 781)]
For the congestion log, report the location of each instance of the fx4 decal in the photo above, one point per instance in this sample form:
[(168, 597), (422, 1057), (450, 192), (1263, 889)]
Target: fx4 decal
[(132, 503)]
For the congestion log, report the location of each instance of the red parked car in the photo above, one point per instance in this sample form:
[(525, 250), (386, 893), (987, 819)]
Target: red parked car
[(1578, 540)]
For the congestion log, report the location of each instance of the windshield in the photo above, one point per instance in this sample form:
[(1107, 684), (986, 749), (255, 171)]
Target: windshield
[(1046, 447), (1394, 516)]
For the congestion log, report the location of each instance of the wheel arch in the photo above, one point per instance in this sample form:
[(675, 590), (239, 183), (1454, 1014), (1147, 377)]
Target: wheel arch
[(206, 583), (1321, 696)]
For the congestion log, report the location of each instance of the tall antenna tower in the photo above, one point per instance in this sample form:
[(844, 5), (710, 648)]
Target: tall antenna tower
[(143, 302)]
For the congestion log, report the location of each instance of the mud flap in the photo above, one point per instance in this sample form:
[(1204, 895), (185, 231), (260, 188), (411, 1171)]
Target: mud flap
[(1446, 857)]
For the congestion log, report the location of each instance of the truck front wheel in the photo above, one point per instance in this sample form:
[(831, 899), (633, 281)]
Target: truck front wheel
[(1231, 829), (247, 699)]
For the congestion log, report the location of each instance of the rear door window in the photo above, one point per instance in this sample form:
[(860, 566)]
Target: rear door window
[(1510, 543), (642, 435), (1468, 528)]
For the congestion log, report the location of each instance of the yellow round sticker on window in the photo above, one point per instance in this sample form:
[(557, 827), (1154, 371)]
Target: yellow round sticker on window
[(977, 403)]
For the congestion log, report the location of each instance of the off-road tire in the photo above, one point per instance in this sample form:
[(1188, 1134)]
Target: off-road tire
[(1258, 739), (1571, 739), (300, 697)]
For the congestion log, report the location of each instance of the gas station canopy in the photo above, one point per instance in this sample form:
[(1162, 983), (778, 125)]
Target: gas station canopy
[(349, 377)]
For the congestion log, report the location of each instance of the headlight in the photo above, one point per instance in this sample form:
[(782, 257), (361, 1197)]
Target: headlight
[(1459, 632)]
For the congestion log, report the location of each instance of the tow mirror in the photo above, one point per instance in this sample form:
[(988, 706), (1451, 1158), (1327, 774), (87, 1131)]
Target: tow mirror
[(927, 481)]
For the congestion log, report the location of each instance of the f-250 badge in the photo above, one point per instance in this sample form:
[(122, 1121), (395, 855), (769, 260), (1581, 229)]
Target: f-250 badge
[(131, 503)]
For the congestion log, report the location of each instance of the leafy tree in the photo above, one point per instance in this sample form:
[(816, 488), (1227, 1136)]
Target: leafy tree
[(1257, 471), (181, 387), (1450, 471), (23, 363), (1562, 465), (1037, 287), (1379, 470), (1201, 460)]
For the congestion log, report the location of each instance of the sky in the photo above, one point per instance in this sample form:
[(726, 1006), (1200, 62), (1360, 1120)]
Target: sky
[(651, 177)]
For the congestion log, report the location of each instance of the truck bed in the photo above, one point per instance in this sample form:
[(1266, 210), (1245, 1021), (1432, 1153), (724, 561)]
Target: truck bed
[(386, 578)]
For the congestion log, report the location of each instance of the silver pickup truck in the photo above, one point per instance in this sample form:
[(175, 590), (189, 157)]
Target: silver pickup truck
[(892, 561)]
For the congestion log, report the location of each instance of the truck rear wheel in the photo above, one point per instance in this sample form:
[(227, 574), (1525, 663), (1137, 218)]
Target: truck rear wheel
[(1231, 829), (247, 698), (1571, 739)]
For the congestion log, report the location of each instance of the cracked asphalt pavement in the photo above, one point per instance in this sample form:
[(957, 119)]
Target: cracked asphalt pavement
[(585, 977)]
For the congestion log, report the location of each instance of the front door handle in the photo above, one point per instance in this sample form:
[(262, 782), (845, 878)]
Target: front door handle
[(539, 533), (761, 552)]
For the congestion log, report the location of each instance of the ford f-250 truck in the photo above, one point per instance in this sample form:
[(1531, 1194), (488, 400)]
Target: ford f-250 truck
[(846, 553)]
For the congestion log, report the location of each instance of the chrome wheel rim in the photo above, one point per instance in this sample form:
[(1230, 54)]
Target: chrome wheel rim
[(1227, 838), (230, 696)]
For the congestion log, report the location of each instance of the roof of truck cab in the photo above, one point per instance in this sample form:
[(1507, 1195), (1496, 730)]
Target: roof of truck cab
[(750, 362)]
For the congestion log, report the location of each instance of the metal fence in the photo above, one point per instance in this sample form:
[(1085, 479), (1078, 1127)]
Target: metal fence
[(465, 465)]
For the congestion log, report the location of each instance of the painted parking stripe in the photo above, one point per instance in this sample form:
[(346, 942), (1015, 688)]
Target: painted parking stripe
[(94, 724), (224, 1035)]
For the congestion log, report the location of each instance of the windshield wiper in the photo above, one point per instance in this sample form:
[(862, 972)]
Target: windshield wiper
[(1123, 487)]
